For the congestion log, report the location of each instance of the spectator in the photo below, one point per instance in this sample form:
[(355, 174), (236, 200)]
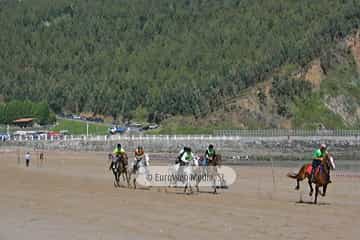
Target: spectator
[(41, 157), (27, 159)]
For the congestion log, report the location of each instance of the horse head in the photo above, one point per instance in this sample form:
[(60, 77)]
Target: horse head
[(195, 161), (147, 160), (329, 161)]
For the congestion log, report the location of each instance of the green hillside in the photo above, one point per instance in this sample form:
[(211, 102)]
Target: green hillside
[(165, 57)]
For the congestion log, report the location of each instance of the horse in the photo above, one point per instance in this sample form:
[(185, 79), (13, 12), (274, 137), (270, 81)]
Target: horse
[(176, 171), (173, 171), (305, 172), (140, 169), (120, 168), (210, 169), (190, 172), (322, 175), (214, 164)]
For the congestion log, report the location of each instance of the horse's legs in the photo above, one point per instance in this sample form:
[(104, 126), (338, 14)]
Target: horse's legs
[(116, 182), (214, 184), (297, 184), (316, 193), (127, 178), (324, 190), (134, 182), (311, 188), (123, 177), (118, 178), (197, 184)]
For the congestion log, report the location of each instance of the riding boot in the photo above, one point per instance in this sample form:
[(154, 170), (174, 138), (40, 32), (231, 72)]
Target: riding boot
[(111, 165), (312, 176), (329, 181)]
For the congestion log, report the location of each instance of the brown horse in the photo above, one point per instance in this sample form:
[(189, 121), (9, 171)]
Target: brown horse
[(321, 178), (216, 160), (322, 175), (212, 172), (121, 168), (304, 172)]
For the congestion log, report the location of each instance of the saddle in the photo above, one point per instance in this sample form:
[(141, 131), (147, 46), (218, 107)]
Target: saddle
[(318, 169), (309, 169), (120, 159)]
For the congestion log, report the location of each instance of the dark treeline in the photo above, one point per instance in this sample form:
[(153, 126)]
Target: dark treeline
[(167, 56), (20, 109)]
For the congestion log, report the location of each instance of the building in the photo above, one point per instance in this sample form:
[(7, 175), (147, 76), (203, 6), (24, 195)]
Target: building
[(24, 122)]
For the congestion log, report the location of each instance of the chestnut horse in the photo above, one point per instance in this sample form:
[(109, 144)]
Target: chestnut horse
[(321, 177)]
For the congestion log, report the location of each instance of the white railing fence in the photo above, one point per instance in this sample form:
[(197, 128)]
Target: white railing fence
[(288, 132), (218, 135)]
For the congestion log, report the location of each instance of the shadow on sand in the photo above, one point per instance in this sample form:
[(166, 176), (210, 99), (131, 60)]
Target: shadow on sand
[(312, 203)]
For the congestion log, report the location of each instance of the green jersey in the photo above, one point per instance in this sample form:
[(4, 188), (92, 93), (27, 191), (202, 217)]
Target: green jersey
[(187, 156), (318, 154), (118, 152), (210, 153)]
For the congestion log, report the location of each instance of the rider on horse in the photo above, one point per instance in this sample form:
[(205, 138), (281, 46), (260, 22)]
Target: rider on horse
[(139, 156), (318, 156), (186, 157), (209, 154), (181, 153), (118, 152)]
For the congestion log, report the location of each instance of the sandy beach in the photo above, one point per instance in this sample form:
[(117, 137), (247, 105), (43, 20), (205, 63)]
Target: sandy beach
[(72, 197)]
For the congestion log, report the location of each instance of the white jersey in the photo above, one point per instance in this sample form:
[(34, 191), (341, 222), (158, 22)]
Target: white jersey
[(27, 156)]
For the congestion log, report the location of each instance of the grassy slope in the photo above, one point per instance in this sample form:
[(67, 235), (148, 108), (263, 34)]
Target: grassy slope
[(188, 125), (310, 113), (78, 127), (343, 80)]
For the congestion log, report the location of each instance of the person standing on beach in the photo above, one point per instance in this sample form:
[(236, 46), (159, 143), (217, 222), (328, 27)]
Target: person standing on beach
[(41, 158), (27, 159)]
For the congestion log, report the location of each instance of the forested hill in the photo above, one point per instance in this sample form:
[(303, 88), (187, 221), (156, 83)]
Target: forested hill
[(167, 56)]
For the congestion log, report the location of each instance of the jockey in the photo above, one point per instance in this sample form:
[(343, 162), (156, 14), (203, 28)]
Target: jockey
[(181, 153), (186, 157), (139, 156), (318, 156), (118, 152), (209, 153)]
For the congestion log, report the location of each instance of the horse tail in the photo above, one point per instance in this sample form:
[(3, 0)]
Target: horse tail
[(292, 175), (301, 174)]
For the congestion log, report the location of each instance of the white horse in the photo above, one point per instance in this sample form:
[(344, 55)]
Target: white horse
[(190, 171), (177, 172), (173, 171), (141, 170)]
